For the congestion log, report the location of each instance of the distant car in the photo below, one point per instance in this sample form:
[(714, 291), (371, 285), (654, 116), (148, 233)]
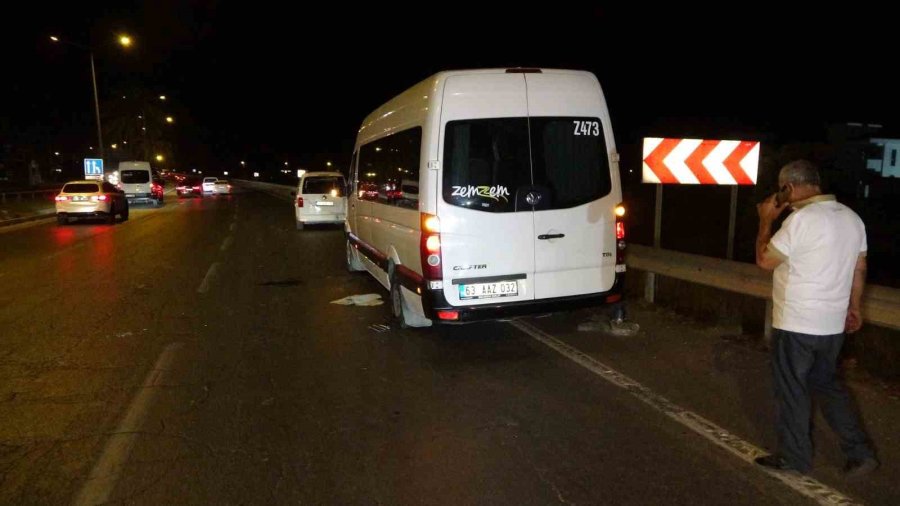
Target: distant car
[(209, 184), (189, 187), (320, 198), (90, 199), (368, 191), (223, 187), (157, 191)]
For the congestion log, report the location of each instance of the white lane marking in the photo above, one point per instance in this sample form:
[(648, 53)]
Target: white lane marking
[(226, 243), (102, 480), (232, 226), (204, 285), (744, 450)]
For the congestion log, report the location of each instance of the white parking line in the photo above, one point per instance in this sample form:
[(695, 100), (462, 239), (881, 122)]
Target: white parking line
[(232, 226), (102, 480), (204, 285), (744, 450), (226, 243)]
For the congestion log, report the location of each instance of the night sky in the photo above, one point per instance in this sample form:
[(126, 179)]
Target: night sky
[(265, 82)]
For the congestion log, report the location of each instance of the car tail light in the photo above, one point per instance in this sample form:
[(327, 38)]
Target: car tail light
[(196, 187), (430, 247), (620, 235), (299, 201), (99, 198), (61, 198), (448, 315)]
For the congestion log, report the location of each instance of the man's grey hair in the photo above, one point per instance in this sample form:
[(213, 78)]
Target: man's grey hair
[(800, 172)]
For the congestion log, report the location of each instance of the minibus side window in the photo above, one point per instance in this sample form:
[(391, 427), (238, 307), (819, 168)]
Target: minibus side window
[(388, 170)]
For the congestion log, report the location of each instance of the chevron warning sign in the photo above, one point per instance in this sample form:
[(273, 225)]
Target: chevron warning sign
[(699, 161)]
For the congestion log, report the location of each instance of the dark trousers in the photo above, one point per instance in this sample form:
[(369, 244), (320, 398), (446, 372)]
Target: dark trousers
[(804, 365)]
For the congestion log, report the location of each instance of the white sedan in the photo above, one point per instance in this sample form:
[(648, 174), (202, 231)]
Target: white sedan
[(223, 187), (209, 184)]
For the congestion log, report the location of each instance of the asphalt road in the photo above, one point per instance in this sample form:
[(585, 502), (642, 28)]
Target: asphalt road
[(192, 356)]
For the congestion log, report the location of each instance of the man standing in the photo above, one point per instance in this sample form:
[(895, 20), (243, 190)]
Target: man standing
[(819, 259)]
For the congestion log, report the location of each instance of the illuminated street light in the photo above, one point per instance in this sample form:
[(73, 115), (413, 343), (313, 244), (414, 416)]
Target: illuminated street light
[(162, 97), (285, 164), (115, 146), (328, 164), (125, 41), (56, 153), (170, 119), (159, 158), (242, 163)]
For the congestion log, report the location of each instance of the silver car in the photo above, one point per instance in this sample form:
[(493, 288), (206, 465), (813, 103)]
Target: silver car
[(90, 199), (223, 187)]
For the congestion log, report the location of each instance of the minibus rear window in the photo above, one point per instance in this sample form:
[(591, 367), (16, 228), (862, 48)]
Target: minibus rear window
[(135, 176), (485, 163)]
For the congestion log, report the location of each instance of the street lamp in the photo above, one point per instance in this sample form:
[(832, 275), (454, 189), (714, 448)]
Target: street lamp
[(162, 97), (125, 41), (242, 163), (159, 158), (170, 119)]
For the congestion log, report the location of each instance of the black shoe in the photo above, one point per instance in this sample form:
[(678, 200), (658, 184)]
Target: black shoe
[(858, 468), (775, 462)]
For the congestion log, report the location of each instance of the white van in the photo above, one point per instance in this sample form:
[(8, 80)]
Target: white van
[(498, 195), (320, 198), (136, 180)]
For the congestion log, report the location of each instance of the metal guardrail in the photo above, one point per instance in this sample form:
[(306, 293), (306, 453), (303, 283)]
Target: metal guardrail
[(278, 190), (881, 304), (17, 195)]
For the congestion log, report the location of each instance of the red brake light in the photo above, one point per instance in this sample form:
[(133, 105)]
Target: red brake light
[(620, 230), (448, 315), (299, 201), (61, 198), (98, 198)]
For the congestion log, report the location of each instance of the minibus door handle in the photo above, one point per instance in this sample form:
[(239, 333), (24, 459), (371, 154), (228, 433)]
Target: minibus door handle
[(544, 237)]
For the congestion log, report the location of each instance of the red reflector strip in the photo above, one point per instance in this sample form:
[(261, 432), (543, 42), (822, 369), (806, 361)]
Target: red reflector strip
[(614, 298), (620, 230), (448, 315)]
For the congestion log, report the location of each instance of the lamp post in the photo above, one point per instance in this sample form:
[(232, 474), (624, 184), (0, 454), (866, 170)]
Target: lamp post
[(125, 41)]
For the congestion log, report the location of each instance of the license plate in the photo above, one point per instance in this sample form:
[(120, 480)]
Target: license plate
[(489, 290), (325, 203), (129, 195)]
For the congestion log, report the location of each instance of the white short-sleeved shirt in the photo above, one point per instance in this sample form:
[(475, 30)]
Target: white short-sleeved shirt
[(819, 244)]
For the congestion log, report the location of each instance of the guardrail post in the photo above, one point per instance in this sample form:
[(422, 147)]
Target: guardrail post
[(650, 278), (650, 287), (767, 325)]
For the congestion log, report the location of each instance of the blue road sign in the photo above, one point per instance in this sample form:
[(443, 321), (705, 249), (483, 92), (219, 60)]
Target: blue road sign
[(93, 168)]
